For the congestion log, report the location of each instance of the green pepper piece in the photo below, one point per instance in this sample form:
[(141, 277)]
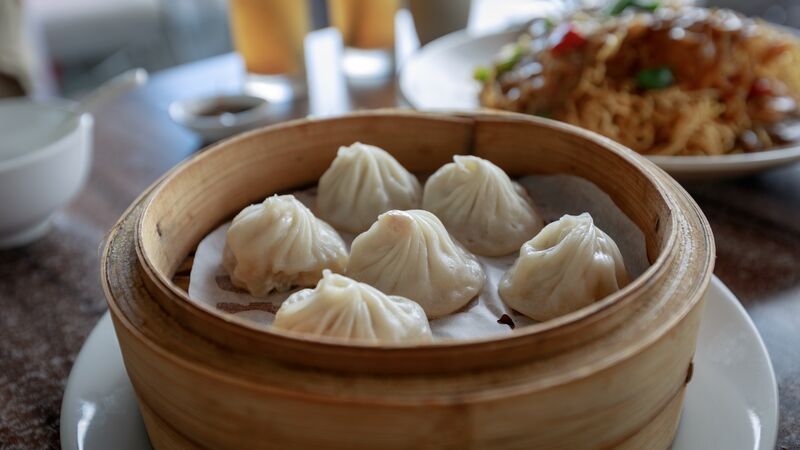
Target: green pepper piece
[(622, 5), (649, 5), (656, 78), (509, 63), (619, 6), (481, 73)]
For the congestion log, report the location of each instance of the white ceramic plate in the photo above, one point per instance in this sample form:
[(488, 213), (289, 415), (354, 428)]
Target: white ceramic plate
[(439, 76), (731, 402)]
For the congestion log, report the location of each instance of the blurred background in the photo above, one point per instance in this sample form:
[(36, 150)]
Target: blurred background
[(67, 48), (58, 47)]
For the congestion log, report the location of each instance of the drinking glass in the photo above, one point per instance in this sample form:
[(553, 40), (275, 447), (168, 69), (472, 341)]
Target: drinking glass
[(367, 28), (269, 36)]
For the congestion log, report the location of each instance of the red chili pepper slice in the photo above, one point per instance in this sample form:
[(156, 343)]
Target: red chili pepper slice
[(567, 39), (761, 88)]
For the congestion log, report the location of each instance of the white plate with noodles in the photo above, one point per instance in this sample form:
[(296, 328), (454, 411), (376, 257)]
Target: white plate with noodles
[(695, 142)]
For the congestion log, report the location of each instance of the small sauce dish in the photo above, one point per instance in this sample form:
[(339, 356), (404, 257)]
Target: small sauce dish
[(217, 117)]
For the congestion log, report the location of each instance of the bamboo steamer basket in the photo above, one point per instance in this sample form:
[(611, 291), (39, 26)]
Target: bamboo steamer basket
[(610, 375)]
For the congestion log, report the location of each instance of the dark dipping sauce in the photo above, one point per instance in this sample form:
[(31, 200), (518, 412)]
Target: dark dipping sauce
[(219, 109)]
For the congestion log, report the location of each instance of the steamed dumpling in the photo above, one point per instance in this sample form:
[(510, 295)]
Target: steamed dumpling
[(279, 244), (477, 202), (568, 265), (361, 183), (411, 254), (344, 308)]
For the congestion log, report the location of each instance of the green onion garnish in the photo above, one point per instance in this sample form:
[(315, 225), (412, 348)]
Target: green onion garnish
[(622, 5), (481, 73), (657, 78), (510, 61), (647, 5)]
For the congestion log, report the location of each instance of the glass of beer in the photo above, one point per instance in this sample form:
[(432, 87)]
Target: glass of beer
[(269, 36), (367, 28)]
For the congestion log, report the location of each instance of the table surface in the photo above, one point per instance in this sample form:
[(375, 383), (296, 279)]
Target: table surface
[(50, 295)]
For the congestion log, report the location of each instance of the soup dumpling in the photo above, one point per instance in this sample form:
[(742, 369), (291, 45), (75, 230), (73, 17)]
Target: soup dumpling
[(341, 307), (411, 254), (480, 205), (280, 244), (361, 183), (570, 264)]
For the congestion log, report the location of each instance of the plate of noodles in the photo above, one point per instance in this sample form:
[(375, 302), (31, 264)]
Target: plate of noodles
[(704, 93)]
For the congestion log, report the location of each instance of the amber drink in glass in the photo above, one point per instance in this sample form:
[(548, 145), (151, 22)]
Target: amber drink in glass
[(367, 28), (269, 35)]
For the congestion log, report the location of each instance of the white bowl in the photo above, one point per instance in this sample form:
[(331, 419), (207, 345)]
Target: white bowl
[(45, 154)]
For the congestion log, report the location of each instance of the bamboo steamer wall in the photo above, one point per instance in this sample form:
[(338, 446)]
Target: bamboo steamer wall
[(611, 375)]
